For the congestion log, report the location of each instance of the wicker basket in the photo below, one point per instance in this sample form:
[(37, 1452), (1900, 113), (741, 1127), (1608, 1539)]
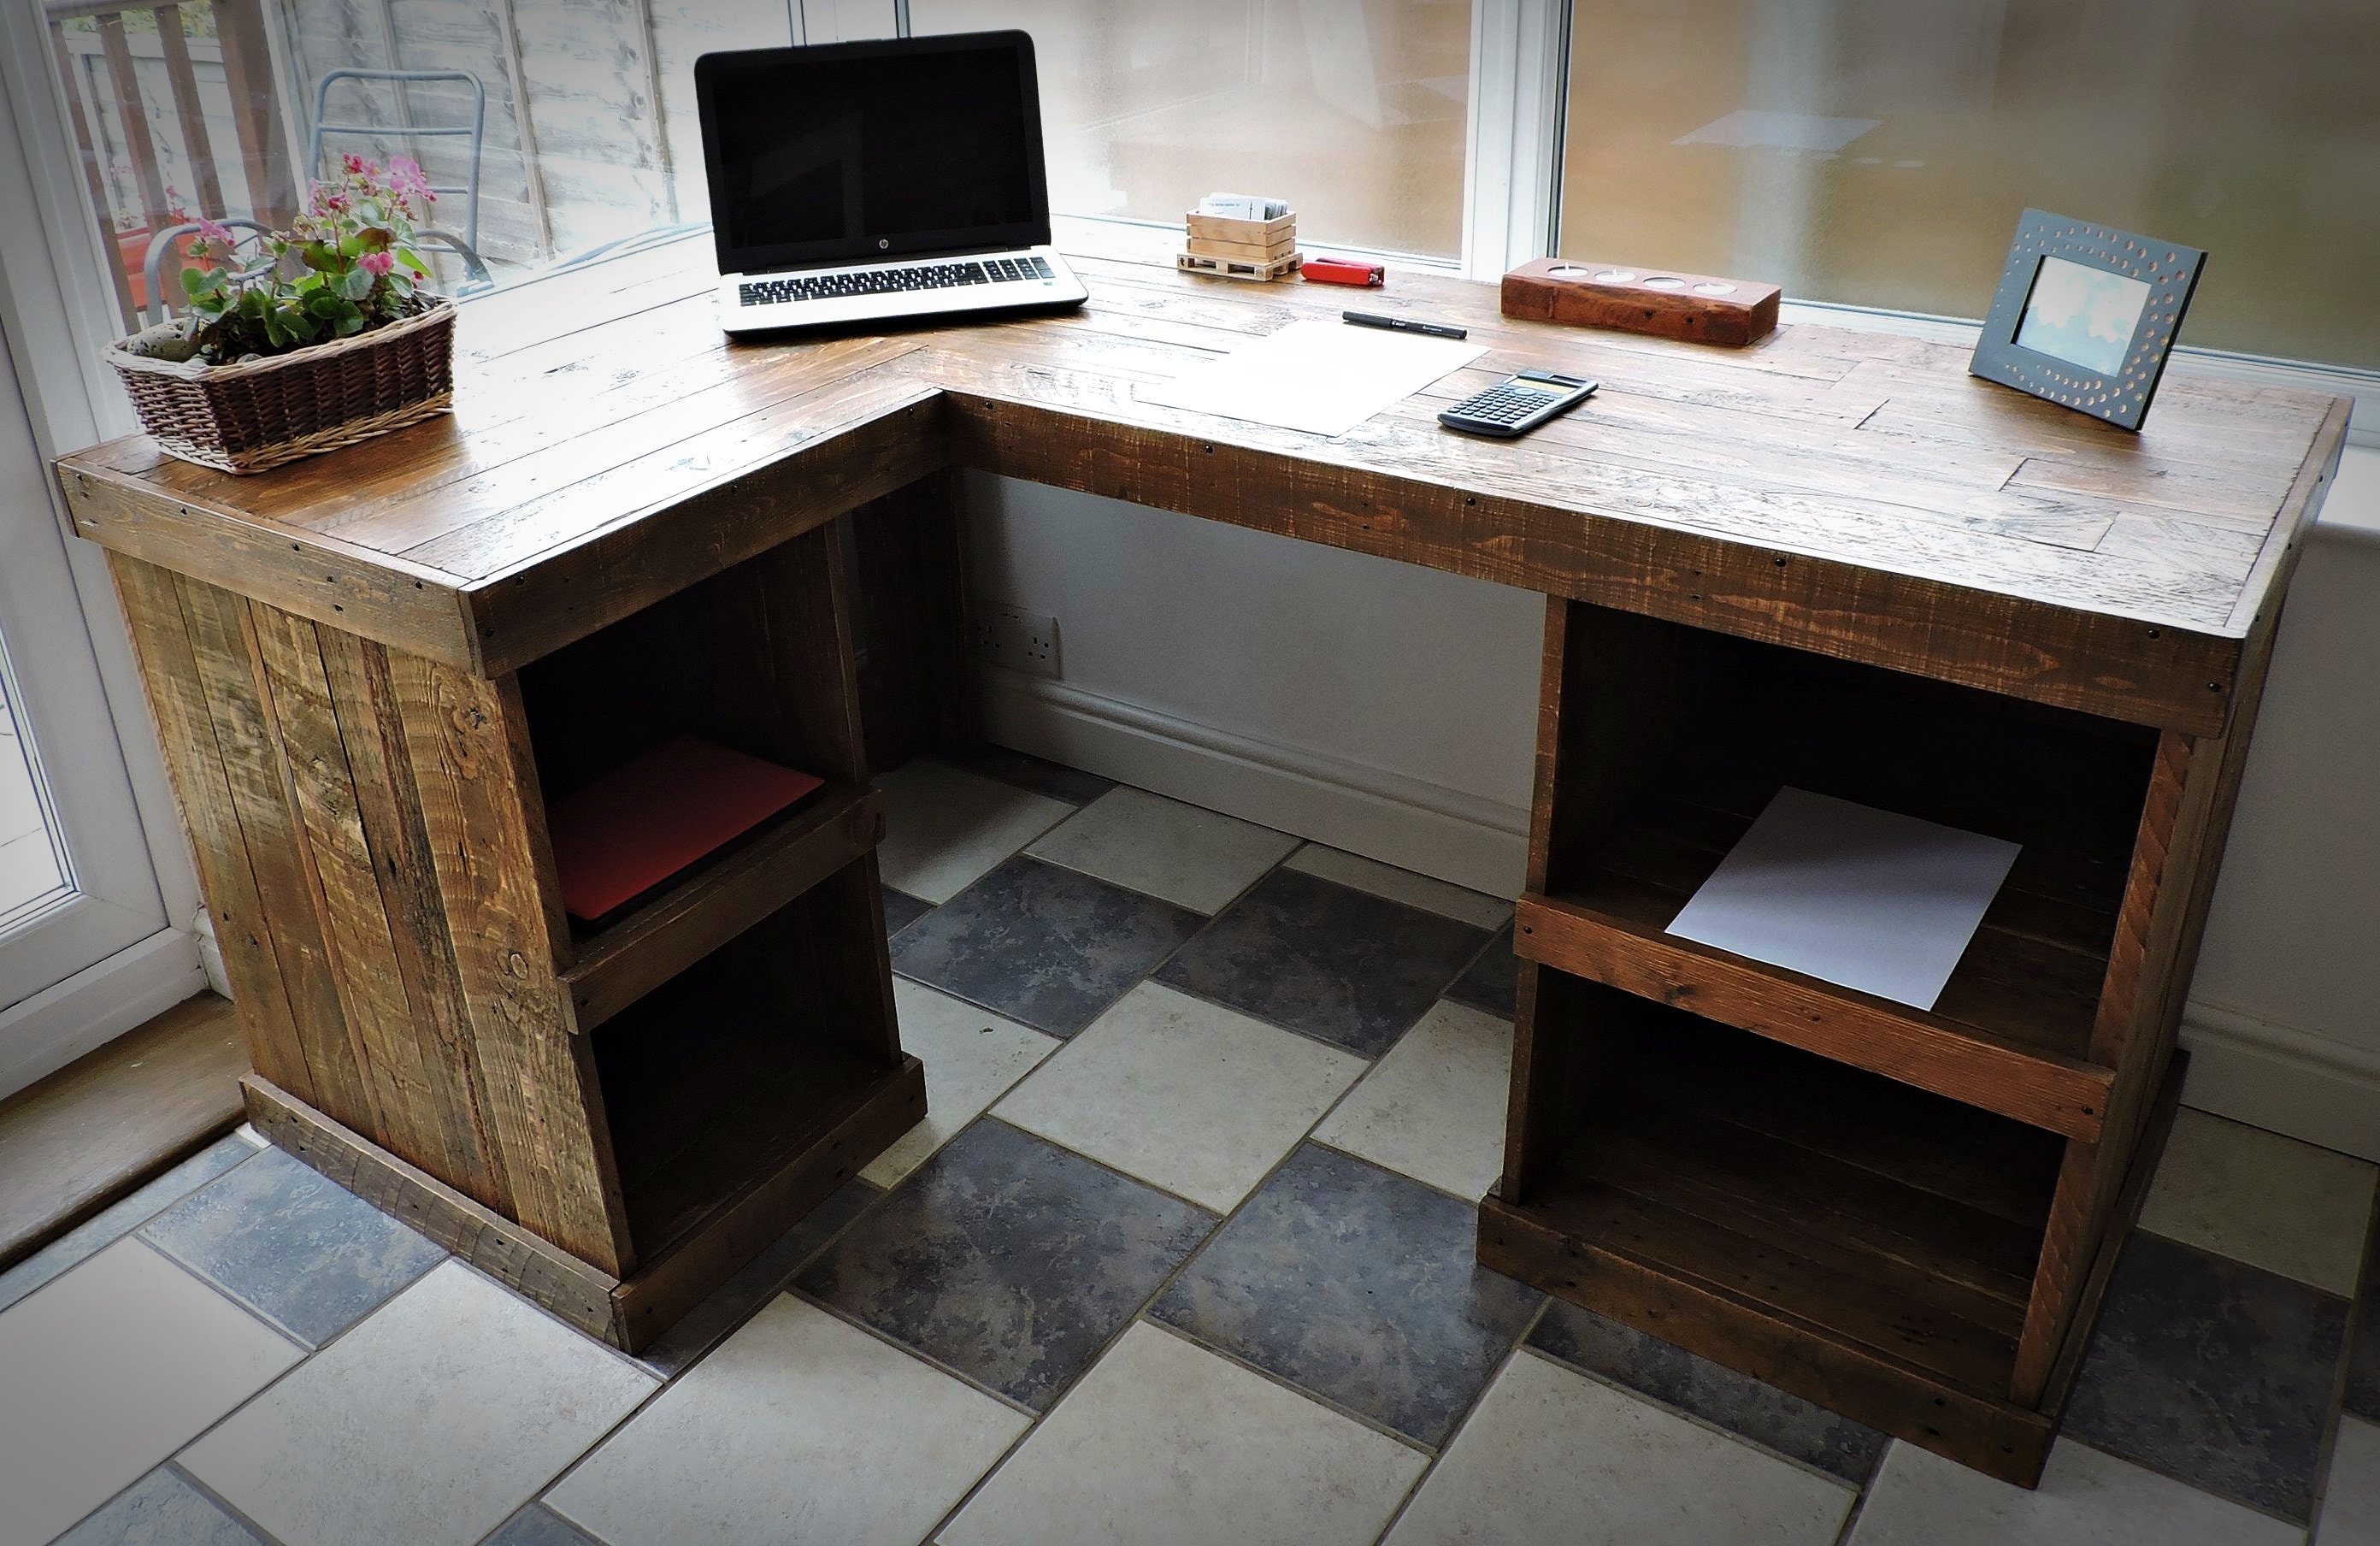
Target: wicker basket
[(249, 417)]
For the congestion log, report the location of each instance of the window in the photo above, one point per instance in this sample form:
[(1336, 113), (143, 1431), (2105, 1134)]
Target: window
[(1878, 153), (586, 133), (1351, 110)]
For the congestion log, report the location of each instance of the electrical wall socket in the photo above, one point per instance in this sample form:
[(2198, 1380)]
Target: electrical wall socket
[(1019, 639)]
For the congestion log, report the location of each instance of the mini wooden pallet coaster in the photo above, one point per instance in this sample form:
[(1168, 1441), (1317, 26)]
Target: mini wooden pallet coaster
[(1240, 268)]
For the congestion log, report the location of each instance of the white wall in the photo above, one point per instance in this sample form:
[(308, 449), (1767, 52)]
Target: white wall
[(1391, 710)]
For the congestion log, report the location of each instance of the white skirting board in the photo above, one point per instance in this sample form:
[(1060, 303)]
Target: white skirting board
[(2284, 1080), (1415, 825)]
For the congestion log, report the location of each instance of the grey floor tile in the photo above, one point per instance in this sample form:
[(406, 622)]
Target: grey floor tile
[(1035, 773), (283, 1238), (2085, 1499), (113, 1223), (2214, 1371), (1047, 946), (1345, 966), (1491, 982), (757, 1282), (161, 1509), (901, 909), (1737, 1402), (1358, 1285), (1007, 1259), (539, 1526)]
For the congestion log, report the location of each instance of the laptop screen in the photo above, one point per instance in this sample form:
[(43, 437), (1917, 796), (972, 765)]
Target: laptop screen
[(870, 150)]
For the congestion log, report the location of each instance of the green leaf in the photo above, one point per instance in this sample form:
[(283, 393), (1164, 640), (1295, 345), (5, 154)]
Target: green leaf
[(411, 259), (199, 281), (400, 285), (351, 325), (355, 283)]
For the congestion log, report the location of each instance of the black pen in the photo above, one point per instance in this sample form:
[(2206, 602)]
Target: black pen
[(1404, 324)]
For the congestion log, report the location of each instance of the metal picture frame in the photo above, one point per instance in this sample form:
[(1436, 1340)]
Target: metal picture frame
[(2085, 315)]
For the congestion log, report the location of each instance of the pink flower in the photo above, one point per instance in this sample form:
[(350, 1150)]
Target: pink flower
[(376, 263), (214, 231), (351, 163)]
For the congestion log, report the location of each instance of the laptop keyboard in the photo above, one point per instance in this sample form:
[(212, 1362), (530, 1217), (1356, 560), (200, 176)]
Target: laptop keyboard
[(893, 280)]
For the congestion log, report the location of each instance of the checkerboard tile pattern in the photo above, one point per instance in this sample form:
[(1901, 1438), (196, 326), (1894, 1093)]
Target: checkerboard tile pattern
[(1183, 1255)]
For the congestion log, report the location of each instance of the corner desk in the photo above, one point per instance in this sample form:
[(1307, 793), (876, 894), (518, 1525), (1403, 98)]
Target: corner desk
[(1832, 560)]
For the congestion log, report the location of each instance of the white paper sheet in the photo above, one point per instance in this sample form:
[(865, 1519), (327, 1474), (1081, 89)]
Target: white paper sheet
[(1323, 377), (1874, 901)]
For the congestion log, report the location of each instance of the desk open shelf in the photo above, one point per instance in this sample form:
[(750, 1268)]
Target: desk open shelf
[(1887, 1209)]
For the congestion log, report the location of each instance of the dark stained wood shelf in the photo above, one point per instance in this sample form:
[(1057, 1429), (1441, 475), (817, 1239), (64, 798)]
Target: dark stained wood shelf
[(703, 911)]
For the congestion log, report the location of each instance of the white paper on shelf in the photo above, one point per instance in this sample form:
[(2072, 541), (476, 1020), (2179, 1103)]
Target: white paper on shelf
[(1883, 903), (1322, 377)]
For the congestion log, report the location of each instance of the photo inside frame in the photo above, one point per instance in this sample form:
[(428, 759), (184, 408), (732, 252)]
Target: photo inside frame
[(2083, 316)]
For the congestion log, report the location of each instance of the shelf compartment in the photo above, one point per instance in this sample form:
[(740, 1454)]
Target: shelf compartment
[(1659, 747), (717, 901), (1864, 1245), (1619, 939), (747, 1060)]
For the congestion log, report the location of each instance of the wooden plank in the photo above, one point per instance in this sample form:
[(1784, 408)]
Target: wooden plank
[(2068, 655), (569, 591), (140, 142), (336, 856), (622, 963), (255, 113), (71, 81), (1992, 1436), (399, 604), (649, 1303), (185, 731), (74, 1141), (464, 739), (198, 146), (512, 1255), (218, 625), (2064, 1095), (372, 736)]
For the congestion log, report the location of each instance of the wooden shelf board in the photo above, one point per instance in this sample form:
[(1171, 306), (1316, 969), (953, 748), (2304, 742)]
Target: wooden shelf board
[(1610, 935), (1840, 1234), (720, 900)]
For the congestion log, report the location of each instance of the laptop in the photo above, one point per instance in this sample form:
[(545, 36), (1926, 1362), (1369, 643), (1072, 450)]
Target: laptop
[(898, 179)]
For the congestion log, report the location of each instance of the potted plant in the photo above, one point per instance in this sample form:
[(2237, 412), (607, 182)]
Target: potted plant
[(329, 340)]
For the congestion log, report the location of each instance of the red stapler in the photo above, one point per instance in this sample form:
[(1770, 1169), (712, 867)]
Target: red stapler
[(1345, 271)]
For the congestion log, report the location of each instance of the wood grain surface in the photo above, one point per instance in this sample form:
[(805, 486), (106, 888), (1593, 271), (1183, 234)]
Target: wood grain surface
[(1853, 494)]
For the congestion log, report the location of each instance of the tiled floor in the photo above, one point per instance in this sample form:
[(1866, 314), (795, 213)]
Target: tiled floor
[(1183, 1255)]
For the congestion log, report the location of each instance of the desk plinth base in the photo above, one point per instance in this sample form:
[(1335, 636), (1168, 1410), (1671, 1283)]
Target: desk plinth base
[(630, 1313), (1668, 1299)]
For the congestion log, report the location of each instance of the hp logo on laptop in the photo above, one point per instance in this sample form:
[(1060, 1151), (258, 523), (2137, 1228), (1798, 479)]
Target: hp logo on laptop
[(883, 242)]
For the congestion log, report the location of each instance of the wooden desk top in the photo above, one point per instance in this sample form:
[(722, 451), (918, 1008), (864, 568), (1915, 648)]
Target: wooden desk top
[(1856, 494)]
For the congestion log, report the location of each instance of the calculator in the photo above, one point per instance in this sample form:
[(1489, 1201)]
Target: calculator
[(1519, 405)]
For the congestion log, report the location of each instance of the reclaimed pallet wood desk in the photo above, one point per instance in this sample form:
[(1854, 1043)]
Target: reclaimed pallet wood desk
[(1833, 561)]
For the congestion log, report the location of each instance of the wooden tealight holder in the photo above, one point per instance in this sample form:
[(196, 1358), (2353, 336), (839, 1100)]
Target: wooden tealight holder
[(1257, 249), (1664, 302)]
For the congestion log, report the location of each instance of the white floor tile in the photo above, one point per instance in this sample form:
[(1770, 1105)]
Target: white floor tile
[(428, 1424), (2259, 1198), (2350, 1503), (1161, 847), (1553, 1458), (2085, 1499), (1434, 1106), (799, 1430), (971, 1055), (1194, 1097), (108, 1369), (943, 827), (1476, 909), (1166, 1444)]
